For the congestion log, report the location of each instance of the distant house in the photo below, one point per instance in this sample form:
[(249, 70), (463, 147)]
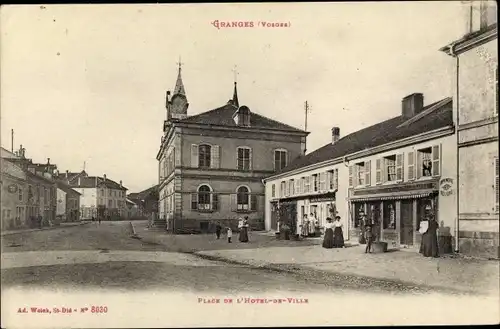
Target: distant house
[(100, 196), (146, 201), (68, 203), (132, 209)]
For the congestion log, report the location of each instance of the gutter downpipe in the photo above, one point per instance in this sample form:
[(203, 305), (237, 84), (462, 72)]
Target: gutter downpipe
[(457, 120)]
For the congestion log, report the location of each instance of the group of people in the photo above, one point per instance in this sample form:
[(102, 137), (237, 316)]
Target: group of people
[(308, 226), (242, 226), (334, 236)]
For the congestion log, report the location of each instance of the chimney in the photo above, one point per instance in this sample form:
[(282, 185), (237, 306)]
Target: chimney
[(48, 161), (121, 184), (67, 173), (104, 176), (79, 181), (412, 105), (335, 134)]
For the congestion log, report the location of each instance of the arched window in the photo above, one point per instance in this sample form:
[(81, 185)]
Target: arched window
[(204, 197), (204, 156), (243, 198)]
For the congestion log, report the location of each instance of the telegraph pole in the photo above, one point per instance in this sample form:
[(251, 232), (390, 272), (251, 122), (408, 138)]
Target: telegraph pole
[(306, 110), (12, 141)]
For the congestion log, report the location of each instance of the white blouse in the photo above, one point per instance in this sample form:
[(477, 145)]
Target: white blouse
[(328, 225), (337, 224)]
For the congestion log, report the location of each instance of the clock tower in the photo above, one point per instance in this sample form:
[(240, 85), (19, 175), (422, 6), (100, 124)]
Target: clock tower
[(177, 106)]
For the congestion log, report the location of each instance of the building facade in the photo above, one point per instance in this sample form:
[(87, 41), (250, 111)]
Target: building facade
[(475, 83), (392, 171), (68, 203), (36, 197), (100, 197), (13, 196), (211, 165)]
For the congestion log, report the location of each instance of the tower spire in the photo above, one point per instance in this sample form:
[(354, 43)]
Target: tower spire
[(235, 92), (179, 86)]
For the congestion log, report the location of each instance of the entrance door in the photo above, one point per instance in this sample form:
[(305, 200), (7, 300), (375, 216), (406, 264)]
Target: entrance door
[(274, 216), (406, 227)]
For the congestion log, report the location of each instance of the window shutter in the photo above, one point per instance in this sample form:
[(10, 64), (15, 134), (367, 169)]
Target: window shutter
[(419, 165), (350, 176), (215, 155), (399, 167), (253, 202), (411, 165), (250, 159), (297, 187), (436, 160), (355, 176), (194, 155), (215, 201), (378, 171), (194, 201), (368, 172), (234, 205), (336, 179)]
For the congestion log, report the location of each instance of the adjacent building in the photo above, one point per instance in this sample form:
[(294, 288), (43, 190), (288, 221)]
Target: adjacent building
[(394, 171), (211, 165), (68, 203), (100, 197), (475, 82), (28, 191), (146, 202)]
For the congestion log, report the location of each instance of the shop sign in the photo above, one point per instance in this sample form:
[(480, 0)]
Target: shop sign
[(446, 186), (324, 199), (12, 188)]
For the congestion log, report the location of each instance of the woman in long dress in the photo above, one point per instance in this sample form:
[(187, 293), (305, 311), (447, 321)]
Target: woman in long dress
[(429, 245), (362, 223), (338, 235), (243, 226), (328, 239)]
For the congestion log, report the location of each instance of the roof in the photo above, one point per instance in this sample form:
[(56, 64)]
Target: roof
[(32, 175), (223, 116), (90, 182), (143, 194), (440, 114), (65, 187)]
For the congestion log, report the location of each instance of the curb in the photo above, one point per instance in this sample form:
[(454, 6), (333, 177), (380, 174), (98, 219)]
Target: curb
[(41, 229)]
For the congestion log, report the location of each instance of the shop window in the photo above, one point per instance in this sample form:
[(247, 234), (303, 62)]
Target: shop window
[(273, 191), (358, 209), (389, 219)]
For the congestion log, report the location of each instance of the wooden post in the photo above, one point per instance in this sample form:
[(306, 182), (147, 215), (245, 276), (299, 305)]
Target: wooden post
[(381, 220), (398, 222), (414, 215)]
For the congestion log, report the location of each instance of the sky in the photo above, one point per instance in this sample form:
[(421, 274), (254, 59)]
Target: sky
[(86, 83)]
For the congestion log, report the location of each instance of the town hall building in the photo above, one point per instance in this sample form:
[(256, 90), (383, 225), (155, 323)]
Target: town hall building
[(211, 165)]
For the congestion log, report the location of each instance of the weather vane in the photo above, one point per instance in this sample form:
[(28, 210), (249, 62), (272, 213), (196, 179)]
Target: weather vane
[(179, 62), (235, 72)]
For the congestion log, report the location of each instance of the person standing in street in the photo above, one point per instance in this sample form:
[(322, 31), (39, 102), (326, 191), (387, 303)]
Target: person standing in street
[(243, 226), (429, 245), (99, 220), (369, 237), (328, 239), (312, 224), (218, 229), (362, 229), (305, 226), (338, 235), (229, 234)]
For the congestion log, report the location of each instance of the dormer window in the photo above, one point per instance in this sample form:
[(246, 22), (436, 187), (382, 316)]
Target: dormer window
[(242, 116)]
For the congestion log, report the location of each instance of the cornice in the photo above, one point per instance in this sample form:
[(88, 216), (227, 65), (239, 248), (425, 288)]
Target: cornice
[(471, 40)]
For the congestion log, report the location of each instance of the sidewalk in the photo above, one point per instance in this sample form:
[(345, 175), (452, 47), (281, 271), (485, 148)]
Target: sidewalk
[(405, 266), (63, 225)]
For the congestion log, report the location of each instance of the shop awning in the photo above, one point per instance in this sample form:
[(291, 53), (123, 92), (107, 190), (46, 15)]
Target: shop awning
[(394, 196)]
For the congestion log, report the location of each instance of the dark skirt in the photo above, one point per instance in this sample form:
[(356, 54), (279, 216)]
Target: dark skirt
[(362, 239), (328, 239), (429, 245), (244, 234), (338, 238)]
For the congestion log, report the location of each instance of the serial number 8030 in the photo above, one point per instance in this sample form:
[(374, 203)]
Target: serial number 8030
[(99, 309)]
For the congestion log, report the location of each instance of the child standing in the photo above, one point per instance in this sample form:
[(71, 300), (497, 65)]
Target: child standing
[(229, 234)]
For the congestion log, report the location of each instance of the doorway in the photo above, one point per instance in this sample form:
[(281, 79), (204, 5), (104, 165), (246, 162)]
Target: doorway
[(274, 216), (406, 227)]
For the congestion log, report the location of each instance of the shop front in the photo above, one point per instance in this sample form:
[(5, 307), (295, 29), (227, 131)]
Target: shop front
[(396, 211)]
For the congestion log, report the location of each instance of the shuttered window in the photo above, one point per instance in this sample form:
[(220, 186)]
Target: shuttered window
[(399, 167), (322, 181), (214, 157), (436, 160), (194, 155), (351, 176), (411, 165), (204, 156), (368, 173), (244, 158), (273, 191)]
